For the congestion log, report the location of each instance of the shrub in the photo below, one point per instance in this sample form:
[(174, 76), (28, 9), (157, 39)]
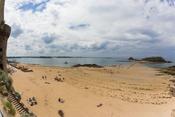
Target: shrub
[(8, 82), (3, 75), (5, 80), (25, 115), (3, 90), (8, 107), (28, 115)]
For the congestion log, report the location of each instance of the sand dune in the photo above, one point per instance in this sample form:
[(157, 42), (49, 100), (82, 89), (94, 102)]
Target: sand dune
[(118, 91)]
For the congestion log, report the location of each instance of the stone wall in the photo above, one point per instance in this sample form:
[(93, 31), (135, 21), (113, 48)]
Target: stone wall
[(4, 35), (2, 5)]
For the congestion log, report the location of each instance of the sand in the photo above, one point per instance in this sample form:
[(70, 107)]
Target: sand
[(118, 91)]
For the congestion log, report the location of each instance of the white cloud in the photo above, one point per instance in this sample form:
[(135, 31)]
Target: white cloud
[(91, 27)]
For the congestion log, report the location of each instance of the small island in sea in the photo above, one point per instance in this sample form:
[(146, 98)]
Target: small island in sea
[(153, 59)]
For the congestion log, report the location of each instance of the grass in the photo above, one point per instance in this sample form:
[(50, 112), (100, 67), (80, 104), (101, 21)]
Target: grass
[(8, 107)]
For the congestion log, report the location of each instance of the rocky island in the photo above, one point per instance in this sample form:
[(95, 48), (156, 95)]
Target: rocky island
[(153, 59)]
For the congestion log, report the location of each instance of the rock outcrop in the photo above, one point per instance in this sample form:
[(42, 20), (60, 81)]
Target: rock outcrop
[(88, 65), (155, 59)]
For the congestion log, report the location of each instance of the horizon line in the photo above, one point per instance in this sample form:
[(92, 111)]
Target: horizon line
[(57, 57)]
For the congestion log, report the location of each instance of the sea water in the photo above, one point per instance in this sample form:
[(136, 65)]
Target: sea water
[(68, 62)]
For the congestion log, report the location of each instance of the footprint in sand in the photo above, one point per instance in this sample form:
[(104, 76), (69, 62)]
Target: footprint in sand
[(45, 101)]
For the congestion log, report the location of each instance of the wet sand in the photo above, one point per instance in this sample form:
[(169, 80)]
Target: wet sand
[(118, 91)]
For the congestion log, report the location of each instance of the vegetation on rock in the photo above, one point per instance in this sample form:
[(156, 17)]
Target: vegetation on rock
[(155, 59), (5, 83)]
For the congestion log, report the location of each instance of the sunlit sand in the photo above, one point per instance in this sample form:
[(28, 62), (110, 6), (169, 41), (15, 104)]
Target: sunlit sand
[(119, 91)]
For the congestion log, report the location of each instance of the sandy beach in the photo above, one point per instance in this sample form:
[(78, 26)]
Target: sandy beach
[(118, 91)]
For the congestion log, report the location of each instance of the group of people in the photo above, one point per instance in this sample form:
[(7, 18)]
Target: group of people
[(32, 101)]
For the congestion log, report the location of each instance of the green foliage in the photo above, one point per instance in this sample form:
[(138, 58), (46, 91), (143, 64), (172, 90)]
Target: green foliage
[(25, 115), (28, 115), (3, 75), (155, 59), (3, 90), (9, 107), (5, 80), (8, 82)]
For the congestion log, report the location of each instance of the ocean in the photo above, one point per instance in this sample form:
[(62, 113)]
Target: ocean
[(70, 61)]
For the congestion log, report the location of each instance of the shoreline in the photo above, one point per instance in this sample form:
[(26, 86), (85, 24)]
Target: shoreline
[(132, 87), (118, 63)]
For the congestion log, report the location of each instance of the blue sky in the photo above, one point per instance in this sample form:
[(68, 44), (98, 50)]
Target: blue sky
[(91, 27)]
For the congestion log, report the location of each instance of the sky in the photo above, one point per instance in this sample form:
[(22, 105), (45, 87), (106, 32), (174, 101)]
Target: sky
[(109, 28)]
